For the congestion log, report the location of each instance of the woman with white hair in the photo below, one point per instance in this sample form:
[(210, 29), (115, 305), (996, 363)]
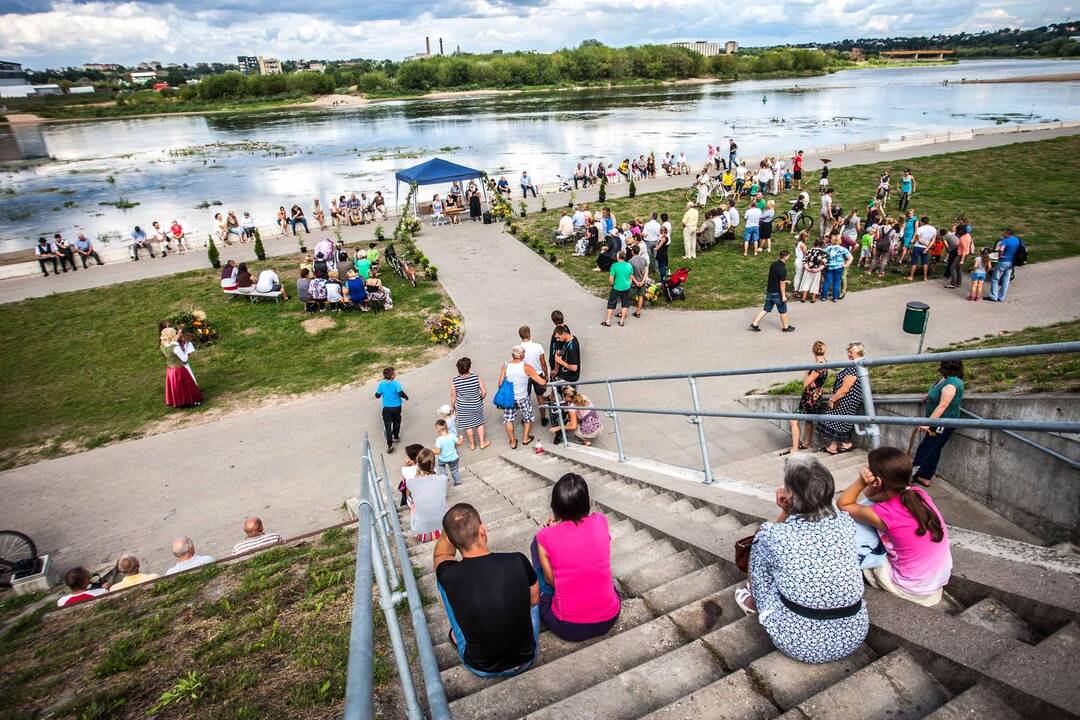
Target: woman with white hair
[(518, 372), (180, 387), (805, 582), (846, 399)]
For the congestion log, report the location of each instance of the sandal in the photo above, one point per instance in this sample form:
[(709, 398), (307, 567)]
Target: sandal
[(606, 324), (785, 452), (526, 442), (514, 444), (637, 315), (741, 596), (485, 446), (804, 446), (622, 323)]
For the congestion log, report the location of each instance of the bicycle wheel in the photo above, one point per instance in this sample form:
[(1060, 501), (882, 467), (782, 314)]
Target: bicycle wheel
[(15, 547), (804, 223), (691, 195)]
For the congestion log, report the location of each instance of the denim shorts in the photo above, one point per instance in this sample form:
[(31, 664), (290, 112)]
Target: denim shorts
[(919, 256), (774, 300), (751, 235), (978, 275)]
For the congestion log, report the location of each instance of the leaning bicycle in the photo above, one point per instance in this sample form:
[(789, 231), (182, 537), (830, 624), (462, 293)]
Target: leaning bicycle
[(400, 265), (18, 557)]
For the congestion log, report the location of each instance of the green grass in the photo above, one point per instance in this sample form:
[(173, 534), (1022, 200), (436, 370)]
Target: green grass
[(83, 369), (992, 187), (1037, 374), (281, 651), (82, 112)]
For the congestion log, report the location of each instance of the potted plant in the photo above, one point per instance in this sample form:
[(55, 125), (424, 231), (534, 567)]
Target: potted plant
[(571, 203), (432, 272), (260, 252), (522, 206), (543, 203), (212, 252), (632, 188), (552, 257), (603, 188), (380, 234)]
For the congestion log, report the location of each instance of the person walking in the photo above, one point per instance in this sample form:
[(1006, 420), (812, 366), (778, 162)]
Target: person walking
[(776, 294), (942, 401), (689, 233), (519, 373), (925, 234), (907, 188), (620, 279), (391, 393), (1006, 249), (467, 393)]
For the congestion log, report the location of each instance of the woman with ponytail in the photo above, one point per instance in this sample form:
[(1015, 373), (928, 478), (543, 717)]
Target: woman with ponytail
[(916, 539)]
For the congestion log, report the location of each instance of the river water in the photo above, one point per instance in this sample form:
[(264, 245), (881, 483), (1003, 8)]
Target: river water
[(308, 154)]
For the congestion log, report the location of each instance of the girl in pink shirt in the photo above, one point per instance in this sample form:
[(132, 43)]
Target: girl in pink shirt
[(572, 557), (916, 539)]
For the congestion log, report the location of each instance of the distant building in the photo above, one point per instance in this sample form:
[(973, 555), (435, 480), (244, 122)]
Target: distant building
[(730, 47), (269, 66), (47, 90), (708, 49), (101, 67), (143, 77), (159, 86), (249, 64), (81, 90), (193, 81), (11, 73), (16, 91), (316, 66)]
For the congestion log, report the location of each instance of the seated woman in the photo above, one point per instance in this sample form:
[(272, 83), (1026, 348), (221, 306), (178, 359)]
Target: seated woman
[(335, 295), (804, 573), (578, 418), (244, 282), (303, 290), (572, 558), (355, 291), (437, 216), (918, 561), (425, 493)]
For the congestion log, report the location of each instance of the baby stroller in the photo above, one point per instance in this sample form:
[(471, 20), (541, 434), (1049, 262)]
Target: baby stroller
[(672, 287), (564, 184)]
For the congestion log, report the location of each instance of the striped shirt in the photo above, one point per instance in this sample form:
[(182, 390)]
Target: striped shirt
[(253, 543)]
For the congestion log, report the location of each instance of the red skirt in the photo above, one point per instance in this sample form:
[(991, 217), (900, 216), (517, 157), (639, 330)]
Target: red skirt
[(180, 388)]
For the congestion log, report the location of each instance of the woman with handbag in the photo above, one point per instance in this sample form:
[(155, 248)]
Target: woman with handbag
[(810, 401), (513, 395), (805, 583)]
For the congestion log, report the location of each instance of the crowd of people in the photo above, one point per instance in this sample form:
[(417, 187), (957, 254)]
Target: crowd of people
[(128, 571)]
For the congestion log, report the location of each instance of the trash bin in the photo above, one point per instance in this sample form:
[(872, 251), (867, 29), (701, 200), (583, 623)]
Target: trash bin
[(915, 317)]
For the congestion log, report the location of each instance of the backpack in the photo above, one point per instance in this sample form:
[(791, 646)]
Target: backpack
[(1021, 255)]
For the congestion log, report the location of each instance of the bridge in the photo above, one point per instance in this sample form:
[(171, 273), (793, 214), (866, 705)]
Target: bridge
[(899, 55)]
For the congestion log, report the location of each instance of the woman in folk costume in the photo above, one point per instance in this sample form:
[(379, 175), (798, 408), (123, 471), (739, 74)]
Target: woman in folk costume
[(180, 387)]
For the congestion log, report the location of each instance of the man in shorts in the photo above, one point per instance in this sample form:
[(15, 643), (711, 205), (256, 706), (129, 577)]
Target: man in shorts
[(796, 170), (620, 279), (925, 234), (640, 279), (776, 294), (534, 355)]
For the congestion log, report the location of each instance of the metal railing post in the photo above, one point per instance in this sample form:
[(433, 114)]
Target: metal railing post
[(382, 526), (615, 423), (700, 422), (359, 678), (873, 432), (562, 420)]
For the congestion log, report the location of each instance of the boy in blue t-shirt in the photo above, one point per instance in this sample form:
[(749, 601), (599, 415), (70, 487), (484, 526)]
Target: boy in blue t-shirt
[(447, 445), (391, 393)]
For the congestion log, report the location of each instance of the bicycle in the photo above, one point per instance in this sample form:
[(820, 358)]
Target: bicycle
[(802, 222), (400, 265), (717, 193), (18, 557)]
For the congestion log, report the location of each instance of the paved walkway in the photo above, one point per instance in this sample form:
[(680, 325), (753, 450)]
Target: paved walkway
[(295, 472)]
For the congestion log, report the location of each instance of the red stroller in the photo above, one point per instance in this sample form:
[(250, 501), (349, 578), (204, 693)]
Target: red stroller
[(673, 285)]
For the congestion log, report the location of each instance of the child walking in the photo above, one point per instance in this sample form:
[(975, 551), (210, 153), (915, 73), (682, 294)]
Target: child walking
[(450, 417), (978, 274), (408, 470), (448, 454), (391, 394)]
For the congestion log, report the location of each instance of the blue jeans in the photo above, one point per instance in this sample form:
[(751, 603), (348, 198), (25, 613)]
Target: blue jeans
[(999, 281), (460, 642), (833, 279), (451, 467), (929, 453), (299, 221)]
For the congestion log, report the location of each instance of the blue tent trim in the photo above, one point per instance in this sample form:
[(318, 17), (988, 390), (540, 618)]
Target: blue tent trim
[(436, 171)]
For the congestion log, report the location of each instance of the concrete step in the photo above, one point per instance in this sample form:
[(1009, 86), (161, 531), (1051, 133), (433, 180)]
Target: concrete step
[(681, 506), (1063, 645), (976, 703), (497, 533), (704, 515), (539, 687), (459, 682), (688, 588), (724, 523), (662, 499), (789, 682), (659, 572), (626, 562), (713, 611), (620, 528), (631, 541), (730, 698), (894, 686), (739, 643), (994, 615), (646, 687)]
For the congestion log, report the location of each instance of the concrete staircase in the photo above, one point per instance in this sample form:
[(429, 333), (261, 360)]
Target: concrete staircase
[(683, 649)]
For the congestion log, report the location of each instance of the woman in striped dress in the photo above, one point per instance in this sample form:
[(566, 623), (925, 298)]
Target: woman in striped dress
[(467, 393)]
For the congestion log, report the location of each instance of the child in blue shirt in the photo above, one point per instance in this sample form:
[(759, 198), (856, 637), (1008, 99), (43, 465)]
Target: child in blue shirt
[(391, 394), (447, 445)]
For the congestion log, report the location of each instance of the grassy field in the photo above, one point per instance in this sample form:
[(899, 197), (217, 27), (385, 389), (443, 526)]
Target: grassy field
[(267, 637), (1038, 374), (105, 110), (981, 184), (83, 369)]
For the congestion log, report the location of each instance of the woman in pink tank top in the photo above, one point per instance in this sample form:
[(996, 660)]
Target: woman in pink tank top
[(916, 539), (572, 557)]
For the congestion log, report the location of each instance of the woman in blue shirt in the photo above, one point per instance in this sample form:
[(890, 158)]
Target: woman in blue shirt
[(838, 258), (907, 187)]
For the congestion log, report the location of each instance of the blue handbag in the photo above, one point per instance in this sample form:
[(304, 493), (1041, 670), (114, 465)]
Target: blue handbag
[(504, 397)]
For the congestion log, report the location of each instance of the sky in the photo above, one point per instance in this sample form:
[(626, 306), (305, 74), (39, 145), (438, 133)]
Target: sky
[(47, 33)]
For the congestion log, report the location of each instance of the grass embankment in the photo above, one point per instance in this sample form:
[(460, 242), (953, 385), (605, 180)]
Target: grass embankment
[(267, 637), (992, 187), (105, 111), (83, 369), (1037, 374)]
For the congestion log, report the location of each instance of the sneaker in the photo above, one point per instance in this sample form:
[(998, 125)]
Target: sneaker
[(754, 327), (389, 449), (789, 328), (543, 422)]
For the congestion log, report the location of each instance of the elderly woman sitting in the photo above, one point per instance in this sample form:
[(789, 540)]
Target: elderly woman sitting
[(805, 582)]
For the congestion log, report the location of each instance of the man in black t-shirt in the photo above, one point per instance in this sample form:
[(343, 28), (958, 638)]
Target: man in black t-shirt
[(776, 293), (567, 365), (490, 598)]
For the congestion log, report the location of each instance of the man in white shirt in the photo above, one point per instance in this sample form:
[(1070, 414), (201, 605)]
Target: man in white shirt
[(566, 226), (156, 237), (256, 537), (579, 217), (752, 229), (269, 282), (650, 234), (925, 233), (535, 355), (183, 549), (733, 217)]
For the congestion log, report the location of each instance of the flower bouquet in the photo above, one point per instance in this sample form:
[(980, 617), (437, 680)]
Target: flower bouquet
[(445, 327), (195, 325)]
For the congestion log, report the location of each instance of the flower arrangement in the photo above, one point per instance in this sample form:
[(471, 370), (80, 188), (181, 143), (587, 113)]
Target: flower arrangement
[(445, 327), (195, 325)]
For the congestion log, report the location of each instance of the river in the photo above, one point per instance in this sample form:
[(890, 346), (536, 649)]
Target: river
[(336, 150)]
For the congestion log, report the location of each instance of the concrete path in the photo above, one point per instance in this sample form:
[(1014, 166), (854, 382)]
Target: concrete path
[(293, 463)]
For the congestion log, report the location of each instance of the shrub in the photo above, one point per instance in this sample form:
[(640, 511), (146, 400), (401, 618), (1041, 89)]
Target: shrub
[(432, 272), (212, 252), (552, 256), (380, 234), (260, 252), (633, 188), (603, 189)]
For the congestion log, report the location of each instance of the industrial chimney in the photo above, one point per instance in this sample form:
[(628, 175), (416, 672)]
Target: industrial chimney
[(427, 44), (440, 46)]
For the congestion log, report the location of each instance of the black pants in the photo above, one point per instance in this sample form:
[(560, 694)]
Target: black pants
[(391, 420), (66, 260), (91, 254), (42, 262), (904, 199), (929, 453)]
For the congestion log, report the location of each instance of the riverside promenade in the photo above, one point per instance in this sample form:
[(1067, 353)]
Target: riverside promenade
[(273, 461)]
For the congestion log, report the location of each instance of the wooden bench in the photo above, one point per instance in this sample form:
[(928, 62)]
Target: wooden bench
[(256, 295)]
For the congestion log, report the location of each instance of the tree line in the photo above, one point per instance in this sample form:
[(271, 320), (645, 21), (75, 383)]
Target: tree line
[(1053, 40)]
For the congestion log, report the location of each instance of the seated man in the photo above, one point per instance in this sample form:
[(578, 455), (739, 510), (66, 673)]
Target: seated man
[(490, 598), (270, 282), (379, 203), (129, 566), (139, 242), (78, 581), (184, 552), (256, 537), (566, 226)]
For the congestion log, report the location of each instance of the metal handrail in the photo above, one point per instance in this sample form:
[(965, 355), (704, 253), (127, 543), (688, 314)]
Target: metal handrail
[(870, 419), (376, 522)]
